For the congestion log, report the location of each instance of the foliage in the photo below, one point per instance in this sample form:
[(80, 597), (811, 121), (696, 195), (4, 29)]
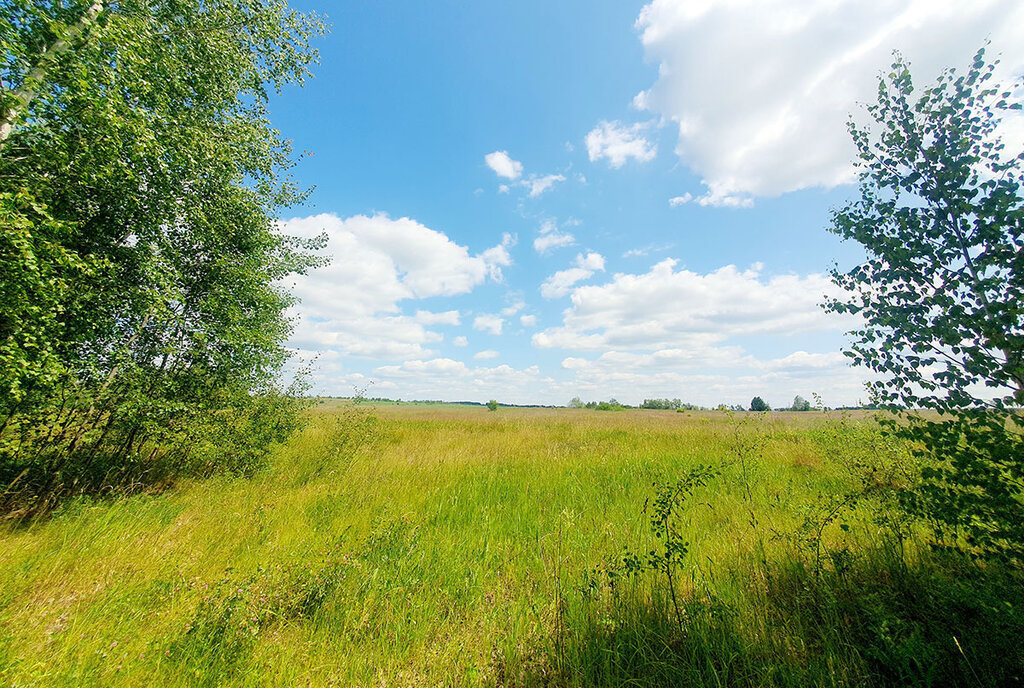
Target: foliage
[(759, 404), (800, 404), (492, 405), (941, 216), (141, 321), (671, 404), (667, 558), (610, 405)]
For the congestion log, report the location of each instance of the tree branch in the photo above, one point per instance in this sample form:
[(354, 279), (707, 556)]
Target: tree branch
[(29, 89)]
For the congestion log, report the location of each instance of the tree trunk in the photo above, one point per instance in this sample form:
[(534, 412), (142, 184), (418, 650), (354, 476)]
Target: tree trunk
[(33, 81)]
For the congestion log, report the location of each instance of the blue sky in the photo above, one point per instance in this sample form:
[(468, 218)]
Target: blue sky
[(533, 201)]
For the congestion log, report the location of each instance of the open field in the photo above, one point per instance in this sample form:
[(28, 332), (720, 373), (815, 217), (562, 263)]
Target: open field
[(422, 545)]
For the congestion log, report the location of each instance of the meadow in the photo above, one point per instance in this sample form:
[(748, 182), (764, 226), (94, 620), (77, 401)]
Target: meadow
[(408, 545)]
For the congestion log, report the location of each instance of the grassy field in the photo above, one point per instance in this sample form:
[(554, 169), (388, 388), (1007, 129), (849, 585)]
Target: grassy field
[(434, 546)]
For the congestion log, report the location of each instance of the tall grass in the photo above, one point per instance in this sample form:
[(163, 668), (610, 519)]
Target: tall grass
[(453, 546)]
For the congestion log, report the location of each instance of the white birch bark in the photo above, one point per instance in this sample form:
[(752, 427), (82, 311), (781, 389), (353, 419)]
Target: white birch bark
[(33, 81)]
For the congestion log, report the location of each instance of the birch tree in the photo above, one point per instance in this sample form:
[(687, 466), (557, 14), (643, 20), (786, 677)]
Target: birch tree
[(140, 178), (941, 295)]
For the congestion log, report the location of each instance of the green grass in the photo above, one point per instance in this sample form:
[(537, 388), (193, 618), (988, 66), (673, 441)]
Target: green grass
[(448, 545)]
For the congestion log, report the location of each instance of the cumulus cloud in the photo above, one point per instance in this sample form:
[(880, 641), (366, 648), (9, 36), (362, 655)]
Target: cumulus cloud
[(513, 308), (371, 336), (488, 323), (460, 341), (503, 165), (353, 304), (423, 378), (498, 256), (551, 237), (667, 308), (713, 199), (445, 318), (559, 284), (507, 168), (646, 250), (528, 320), (617, 143), (538, 184), (767, 115), (486, 354), (804, 361)]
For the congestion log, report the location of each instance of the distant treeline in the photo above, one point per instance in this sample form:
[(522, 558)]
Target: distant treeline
[(657, 404), (429, 402), (612, 404)]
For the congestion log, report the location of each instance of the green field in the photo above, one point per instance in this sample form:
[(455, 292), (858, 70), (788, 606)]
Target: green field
[(446, 545)]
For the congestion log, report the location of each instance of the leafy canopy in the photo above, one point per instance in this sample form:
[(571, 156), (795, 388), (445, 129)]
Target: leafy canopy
[(800, 404), (140, 179), (941, 295), (942, 218)]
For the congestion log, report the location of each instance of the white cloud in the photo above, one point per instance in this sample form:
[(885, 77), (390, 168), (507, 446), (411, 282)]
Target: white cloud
[(371, 336), (445, 318), (711, 199), (724, 375), (497, 257), (727, 374), (503, 165), (352, 305), (422, 379), (591, 261), (804, 361), (486, 354), (665, 309), (647, 250), (513, 308), (649, 334), (547, 242), (550, 237), (507, 168), (766, 115), (488, 323), (617, 143), (559, 284), (661, 360), (539, 184)]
